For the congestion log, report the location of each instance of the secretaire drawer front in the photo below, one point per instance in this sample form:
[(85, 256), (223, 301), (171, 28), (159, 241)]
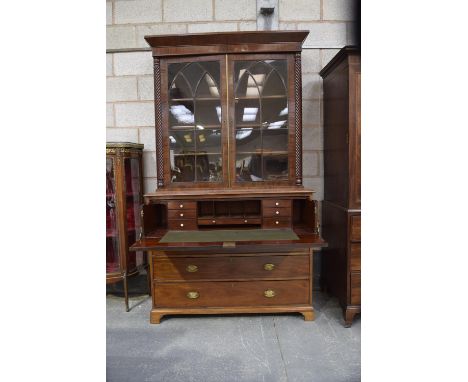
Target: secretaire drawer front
[(226, 293), (182, 214), (230, 268), (277, 212), (272, 203), (355, 228), (182, 225), (356, 288), (355, 263), (181, 205), (276, 222)]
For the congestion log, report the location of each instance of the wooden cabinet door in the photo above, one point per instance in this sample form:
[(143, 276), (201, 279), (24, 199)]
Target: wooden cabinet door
[(193, 109), (261, 119)]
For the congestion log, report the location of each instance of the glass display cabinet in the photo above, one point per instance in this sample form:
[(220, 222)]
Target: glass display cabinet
[(124, 190), (230, 227)]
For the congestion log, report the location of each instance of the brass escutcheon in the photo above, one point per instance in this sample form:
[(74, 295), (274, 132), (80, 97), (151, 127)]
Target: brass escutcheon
[(193, 295), (269, 293), (269, 267), (191, 268)]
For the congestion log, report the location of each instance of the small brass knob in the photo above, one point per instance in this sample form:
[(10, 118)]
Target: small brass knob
[(277, 222), (181, 206), (191, 268), (213, 221), (181, 224), (277, 212), (245, 221), (269, 293), (269, 267), (193, 294), (276, 204), (181, 215)]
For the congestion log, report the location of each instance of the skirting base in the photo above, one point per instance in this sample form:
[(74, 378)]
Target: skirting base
[(306, 311)]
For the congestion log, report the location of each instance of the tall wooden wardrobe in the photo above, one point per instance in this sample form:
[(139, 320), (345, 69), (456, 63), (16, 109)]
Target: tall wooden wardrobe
[(341, 212)]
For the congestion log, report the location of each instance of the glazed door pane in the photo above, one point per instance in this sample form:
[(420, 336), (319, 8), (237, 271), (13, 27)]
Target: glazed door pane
[(261, 120), (195, 124), (112, 238), (132, 181)]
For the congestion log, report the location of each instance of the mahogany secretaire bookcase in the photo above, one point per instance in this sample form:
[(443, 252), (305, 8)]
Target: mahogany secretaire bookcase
[(230, 228)]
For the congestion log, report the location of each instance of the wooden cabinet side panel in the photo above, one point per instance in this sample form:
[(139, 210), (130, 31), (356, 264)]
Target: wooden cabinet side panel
[(335, 132), (354, 132), (334, 260)]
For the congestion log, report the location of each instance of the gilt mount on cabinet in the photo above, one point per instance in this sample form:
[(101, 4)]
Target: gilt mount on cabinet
[(229, 157)]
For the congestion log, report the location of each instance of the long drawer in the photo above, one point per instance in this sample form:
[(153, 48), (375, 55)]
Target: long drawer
[(276, 203), (230, 267), (226, 293), (355, 263), (356, 288), (181, 205)]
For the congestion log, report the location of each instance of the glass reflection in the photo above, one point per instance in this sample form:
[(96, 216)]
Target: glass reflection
[(195, 153), (261, 112)]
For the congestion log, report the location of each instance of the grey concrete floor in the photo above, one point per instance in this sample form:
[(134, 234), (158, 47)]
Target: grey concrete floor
[(228, 348)]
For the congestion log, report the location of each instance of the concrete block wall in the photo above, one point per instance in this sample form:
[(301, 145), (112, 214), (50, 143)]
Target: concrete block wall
[(129, 109)]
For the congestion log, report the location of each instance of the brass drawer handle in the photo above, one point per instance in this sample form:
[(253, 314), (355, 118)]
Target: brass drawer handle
[(193, 295), (269, 267), (269, 293), (181, 215), (191, 268), (181, 224), (213, 221), (181, 206), (277, 212), (277, 222)]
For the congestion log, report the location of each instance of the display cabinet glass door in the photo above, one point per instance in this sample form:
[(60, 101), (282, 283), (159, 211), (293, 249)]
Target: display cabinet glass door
[(112, 235), (260, 119), (195, 121), (132, 181)]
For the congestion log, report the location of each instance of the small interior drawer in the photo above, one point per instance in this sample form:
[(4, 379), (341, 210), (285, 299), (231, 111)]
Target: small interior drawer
[(181, 205), (276, 222), (276, 203), (182, 214), (182, 224), (277, 212)]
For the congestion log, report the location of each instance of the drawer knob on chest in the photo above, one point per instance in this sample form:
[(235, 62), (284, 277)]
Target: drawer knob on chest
[(269, 267), (191, 268), (269, 293), (181, 206), (245, 221), (277, 222), (193, 294), (213, 221), (181, 215), (277, 212), (276, 204), (181, 224)]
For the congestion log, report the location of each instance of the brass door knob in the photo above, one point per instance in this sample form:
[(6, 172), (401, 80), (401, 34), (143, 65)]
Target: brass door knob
[(193, 294), (191, 268), (269, 267), (269, 293)]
